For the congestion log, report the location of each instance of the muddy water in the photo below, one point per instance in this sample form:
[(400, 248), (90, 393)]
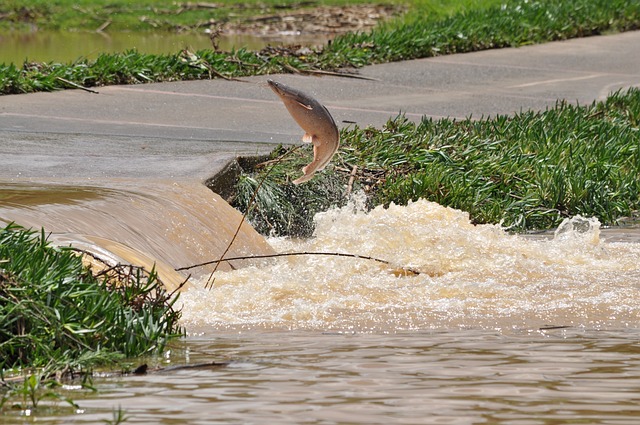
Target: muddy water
[(419, 377), (168, 224), (470, 276), (64, 46), (495, 328)]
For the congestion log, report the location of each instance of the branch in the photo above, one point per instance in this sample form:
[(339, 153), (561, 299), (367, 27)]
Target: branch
[(243, 219), (78, 86), (292, 254)]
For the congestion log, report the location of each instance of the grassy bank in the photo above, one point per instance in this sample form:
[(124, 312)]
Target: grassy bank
[(529, 171), (167, 15), (146, 15), (419, 34), (58, 317)]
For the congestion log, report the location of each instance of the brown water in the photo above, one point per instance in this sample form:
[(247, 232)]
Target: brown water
[(47, 46), (472, 376), (171, 224), (472, 339)]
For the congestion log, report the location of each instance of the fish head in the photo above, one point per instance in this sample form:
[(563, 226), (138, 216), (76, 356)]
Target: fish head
[(279, 88), (291, 96)]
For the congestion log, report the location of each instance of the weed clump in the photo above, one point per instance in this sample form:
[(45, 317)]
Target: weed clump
[(280, 207), (55, 314)]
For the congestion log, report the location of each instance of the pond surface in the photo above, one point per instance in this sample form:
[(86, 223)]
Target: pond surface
[(42, 46), (495, 328)]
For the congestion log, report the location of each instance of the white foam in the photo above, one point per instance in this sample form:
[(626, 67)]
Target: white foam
[(470, 276)]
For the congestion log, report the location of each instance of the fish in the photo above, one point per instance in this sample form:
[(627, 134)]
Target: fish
[(320, 128)]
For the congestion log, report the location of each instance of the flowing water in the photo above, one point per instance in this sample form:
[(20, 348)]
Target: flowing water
[(469, 277), (169, 224), (490, 328), (452, 376)]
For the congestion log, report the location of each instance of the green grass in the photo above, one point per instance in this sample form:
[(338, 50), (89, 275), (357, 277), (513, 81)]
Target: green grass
[(529, 171), (513, 24), (132, 67), (419, 34), (55, 315), (285, 209)]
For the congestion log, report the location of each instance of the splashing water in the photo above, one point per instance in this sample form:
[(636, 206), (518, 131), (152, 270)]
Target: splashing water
[(471, 276)]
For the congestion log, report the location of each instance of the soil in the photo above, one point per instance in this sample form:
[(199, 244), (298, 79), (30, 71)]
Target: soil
[(326, 20)]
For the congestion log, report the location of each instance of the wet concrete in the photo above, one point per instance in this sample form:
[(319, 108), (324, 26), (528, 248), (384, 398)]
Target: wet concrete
[(174, 224)]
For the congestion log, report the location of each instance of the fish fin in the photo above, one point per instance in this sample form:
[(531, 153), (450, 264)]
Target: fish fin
[(303, 179), (305, 106), (307, 138), (315, 140), (307, 172)]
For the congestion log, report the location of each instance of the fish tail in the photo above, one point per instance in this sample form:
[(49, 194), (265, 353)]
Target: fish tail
[(303, 179)]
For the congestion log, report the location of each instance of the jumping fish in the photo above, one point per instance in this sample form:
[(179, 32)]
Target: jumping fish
[(318, 124)]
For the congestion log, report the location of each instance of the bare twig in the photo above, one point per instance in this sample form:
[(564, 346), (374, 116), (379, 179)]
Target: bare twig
[(118, 267), (295, 70), (199, 5), (104, 25), (268, 162), (92, 255), (179, 287), (210, 280), (293, 254), (214, 36), (291, 69), (352, 177), (108, 270), (218, 74), (336, 74), (78, 86)]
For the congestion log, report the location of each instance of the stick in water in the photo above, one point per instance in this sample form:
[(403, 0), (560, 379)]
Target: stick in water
[(294, 254), (210, 280), (320, 130)]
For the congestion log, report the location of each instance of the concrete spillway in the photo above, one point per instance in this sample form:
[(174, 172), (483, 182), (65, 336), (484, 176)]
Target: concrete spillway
[(166, 224)]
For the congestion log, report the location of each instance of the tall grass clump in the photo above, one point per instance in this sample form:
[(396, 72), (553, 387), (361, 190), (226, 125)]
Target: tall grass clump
[(528, 171), (279, 207), (55, 314)]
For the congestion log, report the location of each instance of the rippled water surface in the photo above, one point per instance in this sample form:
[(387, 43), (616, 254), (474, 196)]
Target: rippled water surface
[(495, 328), (437, 377)]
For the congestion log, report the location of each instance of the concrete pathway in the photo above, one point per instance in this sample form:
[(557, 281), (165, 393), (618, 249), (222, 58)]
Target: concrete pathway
[(189, 130)]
